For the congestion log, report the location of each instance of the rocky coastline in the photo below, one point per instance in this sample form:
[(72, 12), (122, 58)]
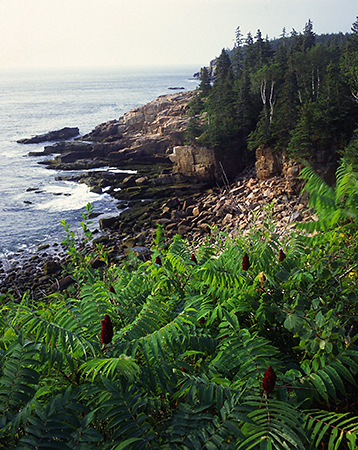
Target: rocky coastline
[(185, 190)]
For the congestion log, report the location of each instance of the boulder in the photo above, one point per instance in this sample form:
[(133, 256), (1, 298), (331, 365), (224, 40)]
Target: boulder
[(62, 284), (267, 163), (51, 267), (194, 163), (108, 222)]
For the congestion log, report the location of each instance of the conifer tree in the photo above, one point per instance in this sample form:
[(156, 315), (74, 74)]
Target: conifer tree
[(294, 93), (350, 61), (220, 103), (205, 83), (309, 36)]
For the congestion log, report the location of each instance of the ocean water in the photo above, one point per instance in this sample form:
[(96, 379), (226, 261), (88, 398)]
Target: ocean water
[(32, 202)]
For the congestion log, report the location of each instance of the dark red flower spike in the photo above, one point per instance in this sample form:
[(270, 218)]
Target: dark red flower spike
[(281, 256), (269, 380), (111, 289), (245, 262), (107, 330)]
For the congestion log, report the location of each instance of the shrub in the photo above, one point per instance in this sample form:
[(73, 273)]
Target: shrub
[(205, 354)]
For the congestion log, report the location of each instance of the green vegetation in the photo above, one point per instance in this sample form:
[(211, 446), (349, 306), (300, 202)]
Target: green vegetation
[(245, 343), (298, 93), (237, 344)]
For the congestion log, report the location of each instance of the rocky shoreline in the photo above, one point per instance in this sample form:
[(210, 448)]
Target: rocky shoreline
[(183, 189), (194, 215)]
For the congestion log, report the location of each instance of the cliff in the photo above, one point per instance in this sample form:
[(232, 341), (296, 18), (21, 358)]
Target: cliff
[(150, 135), (210, 69), (144, 135), (154, 134)]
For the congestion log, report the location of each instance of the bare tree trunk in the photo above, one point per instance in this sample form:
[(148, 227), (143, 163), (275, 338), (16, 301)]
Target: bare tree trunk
[(263, 85), (271, 100)]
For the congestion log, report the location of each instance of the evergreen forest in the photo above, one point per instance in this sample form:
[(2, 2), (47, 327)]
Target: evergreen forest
[(242, 343), (297, 94)]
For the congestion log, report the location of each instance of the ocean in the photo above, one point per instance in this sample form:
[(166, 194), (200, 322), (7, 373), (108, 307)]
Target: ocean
[(32, 202)]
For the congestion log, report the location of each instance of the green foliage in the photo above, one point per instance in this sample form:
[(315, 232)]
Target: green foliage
[(350, 152), (332, 204), (192, 343)]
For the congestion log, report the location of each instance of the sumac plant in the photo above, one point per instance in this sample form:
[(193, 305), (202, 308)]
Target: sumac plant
[(206, 355)]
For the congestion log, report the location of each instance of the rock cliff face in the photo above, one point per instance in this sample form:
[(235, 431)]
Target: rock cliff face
[(207, 165), (270, 164), (155, 134), (210, 69), (150, 134), (194, 163)]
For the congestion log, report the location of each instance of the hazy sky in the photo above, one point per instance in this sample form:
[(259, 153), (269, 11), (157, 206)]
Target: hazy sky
[(90, 33)]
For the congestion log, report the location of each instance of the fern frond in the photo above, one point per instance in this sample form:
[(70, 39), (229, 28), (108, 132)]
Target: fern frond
[(244, 354), (331, 205), (64, 334), (276, 425), (196, 425), (109, 366), (18, 384), (95, 303), (125, 417), (329, 379), (132, 290), (336, 428), (62, 423), (347, 190)]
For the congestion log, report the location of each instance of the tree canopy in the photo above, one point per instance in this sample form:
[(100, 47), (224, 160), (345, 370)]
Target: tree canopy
[(298, 93)]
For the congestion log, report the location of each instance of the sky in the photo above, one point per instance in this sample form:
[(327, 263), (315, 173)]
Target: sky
[(121, 33)]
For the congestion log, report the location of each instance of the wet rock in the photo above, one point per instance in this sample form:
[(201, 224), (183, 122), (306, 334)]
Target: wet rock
[(101, 240), (51, 267), (143, 253), (108, 222), (96, 189), (62, 284), (57, 135), (141, 180)]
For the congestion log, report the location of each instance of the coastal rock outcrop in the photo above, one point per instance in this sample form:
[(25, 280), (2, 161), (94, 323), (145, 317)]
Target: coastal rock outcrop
[(210, 69), (57, 135), (144, 135), (154, 134)]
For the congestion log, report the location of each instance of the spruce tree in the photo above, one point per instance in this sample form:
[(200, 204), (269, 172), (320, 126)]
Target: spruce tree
[(220, 104), (350, 61), (205, 83), (309, 36)]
